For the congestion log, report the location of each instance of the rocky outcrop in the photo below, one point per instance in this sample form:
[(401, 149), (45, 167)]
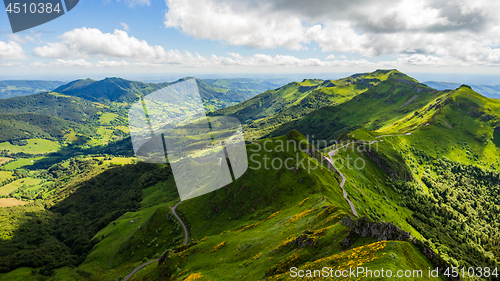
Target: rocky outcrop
[(305, 240), (379, 230)]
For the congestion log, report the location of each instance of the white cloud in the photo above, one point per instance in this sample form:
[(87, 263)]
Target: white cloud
[(22, 40), (132, 3), (10, 64), (87, 47), (80, 63), (464, 30), (11, 51), (124, 26), (92, 43), (80, 47), (221, 21)]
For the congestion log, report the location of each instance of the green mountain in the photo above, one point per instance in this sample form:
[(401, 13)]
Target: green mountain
[(100, 107), (22, 126), (215, 93), (111, 89), (16, 88), (384, 103), (48, 116), (271, 109), (419, 168), (246, 87), (52, 104)]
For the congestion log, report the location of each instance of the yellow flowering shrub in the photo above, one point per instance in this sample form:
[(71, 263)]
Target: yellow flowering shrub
[(302, 202), (218, 246), (193, 276), (299, 216), (249, 226), (273, 215)]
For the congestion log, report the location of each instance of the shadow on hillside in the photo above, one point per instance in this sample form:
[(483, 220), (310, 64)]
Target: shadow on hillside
[(63, 234), (496, 138)]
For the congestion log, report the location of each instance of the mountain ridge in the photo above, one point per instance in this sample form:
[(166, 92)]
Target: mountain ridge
[(431, 172)]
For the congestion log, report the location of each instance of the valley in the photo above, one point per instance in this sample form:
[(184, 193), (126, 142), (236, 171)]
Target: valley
[(386, 172)]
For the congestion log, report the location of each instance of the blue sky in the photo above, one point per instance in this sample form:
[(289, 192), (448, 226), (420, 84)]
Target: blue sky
[(318, 38)]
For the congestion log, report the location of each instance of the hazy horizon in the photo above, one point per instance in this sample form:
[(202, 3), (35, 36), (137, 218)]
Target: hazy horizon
[(464, 78)]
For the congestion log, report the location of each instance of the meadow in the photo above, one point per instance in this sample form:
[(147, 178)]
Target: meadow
[(33, 146)]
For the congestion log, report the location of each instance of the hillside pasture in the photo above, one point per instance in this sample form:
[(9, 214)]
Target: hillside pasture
[(34, 146)]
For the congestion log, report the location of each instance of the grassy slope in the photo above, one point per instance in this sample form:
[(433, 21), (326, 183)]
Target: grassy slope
[(33, 146), (458, 126), (385, 103), (461, 127), (51, 104), (269, 110), (257, 218), (393, 256), (249, 200), (246, 230)]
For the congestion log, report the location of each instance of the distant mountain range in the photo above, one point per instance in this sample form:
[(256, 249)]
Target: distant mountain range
[(490, 91), (79, 102), (16, 88), (216, 93)]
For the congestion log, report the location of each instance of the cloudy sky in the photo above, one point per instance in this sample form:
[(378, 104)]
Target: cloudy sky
[(243, 37)]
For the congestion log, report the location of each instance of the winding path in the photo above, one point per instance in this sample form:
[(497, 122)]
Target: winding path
[(353, 209), (342, 183), (138, 268), (183, 226), (185, 240)]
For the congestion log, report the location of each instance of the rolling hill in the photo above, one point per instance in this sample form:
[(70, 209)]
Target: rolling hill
[(22, 126), (215, 93), (272, 109), (384, 103), (53, 104), (111, 89)]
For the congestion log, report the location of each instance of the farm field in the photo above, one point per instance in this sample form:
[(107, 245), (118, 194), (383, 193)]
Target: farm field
[(4, 160), (23, 162), (34, 146), (4, 175), (107, 117), (8, 188), (11, 202)]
